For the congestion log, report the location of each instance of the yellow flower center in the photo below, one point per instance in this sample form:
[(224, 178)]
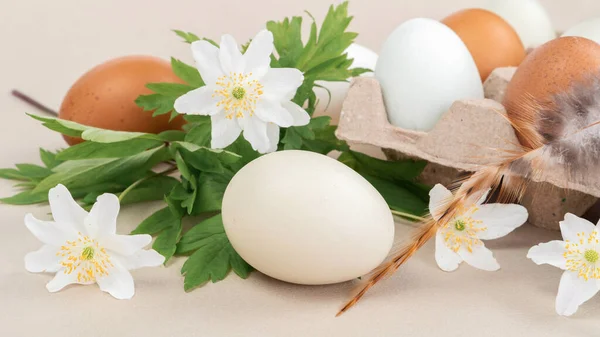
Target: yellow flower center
[(238, 94), (583, 256), (459, 225), (88, 253), (85, 257), (462, 231), (591, 256)]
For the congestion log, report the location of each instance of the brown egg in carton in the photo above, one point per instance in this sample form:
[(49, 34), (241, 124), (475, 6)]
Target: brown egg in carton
[(471, 134)]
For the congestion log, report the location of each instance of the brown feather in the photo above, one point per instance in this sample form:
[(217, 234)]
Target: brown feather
[(557, 135)]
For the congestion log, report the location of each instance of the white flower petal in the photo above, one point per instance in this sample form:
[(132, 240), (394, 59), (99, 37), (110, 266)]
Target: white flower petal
[(549, 253), (273, 134), (61, 280), (224, 131), (102, 219), (439, 196), (272, 111), (65, 210), (142, 258), (481, 258), (206, 56), (197, 102), (125, 244), (445, 257), (281, 83), (43, 260), (255, 132), (118, 282), (258, 54), (572, 292), (299, 115), (499, 219), (572, 225), (230, 56), (48, 232)]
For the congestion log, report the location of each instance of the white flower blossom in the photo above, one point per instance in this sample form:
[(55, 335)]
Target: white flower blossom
[(243, 93), (83, 248), (579, 256), (460, 239)]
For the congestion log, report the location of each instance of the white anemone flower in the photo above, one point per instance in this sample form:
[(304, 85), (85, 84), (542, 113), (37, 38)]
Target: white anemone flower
[(460, 239), (83, 248), (579, 256), (243, 93)]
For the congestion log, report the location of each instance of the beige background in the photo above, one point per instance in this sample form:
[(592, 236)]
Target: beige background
[(46, 45)]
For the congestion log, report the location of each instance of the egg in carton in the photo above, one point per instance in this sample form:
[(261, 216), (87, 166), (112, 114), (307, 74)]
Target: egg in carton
[(471, 134)]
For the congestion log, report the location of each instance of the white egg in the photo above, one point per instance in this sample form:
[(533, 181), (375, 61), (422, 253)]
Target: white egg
[(306, 218), (589, 29), (363, 58), (528, 18), (423, 68)]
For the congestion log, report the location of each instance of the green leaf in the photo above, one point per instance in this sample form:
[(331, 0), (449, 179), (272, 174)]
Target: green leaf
[(393, 179), (288, 40), (188, 199), (292, 139), (31, 197), (172, 90), (168, 224), (49, 158), (333, 70), (325, 141), (26, 198), (332, 39), (158, 103), (391, 170), (397, 197), (199, 134), (172, 136), (354, 72), (206, 159), (112, 136), (94, 134), (187, 37), (163, 99), (195, 237), (187, 73), (60, 125), (182, 166), (154, 188), (214, 257), (166, 242), (318, 136), (210, 191), (243, 148), (81, 173), (88, 150), (12, 174), (33, 171), (156, 222)]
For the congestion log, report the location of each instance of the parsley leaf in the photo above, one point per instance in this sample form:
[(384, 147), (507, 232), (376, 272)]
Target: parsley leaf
[(213, 256)]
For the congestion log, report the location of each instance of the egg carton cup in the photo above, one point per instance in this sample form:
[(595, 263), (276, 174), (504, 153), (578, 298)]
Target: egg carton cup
[(472, 134)]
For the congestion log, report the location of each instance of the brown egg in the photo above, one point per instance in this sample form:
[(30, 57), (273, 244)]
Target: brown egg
[(547, 70), (492, 42), (104, 97)]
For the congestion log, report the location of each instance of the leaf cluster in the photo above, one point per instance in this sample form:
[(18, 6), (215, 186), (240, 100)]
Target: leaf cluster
[(180, 168)]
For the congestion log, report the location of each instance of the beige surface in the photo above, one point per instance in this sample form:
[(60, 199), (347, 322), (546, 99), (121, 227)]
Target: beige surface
[(46, 45)]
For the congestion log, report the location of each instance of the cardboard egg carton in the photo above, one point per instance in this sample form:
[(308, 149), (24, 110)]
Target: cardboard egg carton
[(471, 134)]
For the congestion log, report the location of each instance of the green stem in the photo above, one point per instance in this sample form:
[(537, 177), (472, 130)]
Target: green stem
[(137, 183), (407, 215)]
